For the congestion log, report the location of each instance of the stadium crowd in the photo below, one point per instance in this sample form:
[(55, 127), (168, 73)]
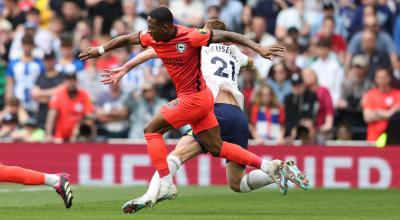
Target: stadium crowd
[(337, 80)]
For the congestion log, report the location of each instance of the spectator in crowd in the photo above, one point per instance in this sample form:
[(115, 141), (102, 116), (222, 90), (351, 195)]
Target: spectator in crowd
[(56, 28), (22, 74), (68, 63), (113, 124), (325, 114), (89, 80), (351, 93), (279, 80), (380, 103), (106, 12), (13, 13), (145, 7), (119, 27), (298, 17), (130, 17), (338, 42), (85, 130), (30, 132), (45, 86), (141, 109), (248, 79), (9, 124), (2, 84), (188, 12), (164, 85), (14, 108), (67, 107), (381, 10), (229, 13), (267, 116), (328, 10), (383, 40), (213, 12), (328, 69), (378, 57), (290, 58), (346, 11), (83, 33), (247, 16), (343, 132), (71, 13), (258, 32), (6, 36), (269, 10), (301, 107)]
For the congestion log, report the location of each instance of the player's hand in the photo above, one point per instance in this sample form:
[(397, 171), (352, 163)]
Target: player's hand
[(271, 52), (90, 52), (112, 76)]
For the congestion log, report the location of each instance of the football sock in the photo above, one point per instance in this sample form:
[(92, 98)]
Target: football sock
[(158, 153), (237, 154), (51, 180), (20, 175), (173, 164), (254, 180)]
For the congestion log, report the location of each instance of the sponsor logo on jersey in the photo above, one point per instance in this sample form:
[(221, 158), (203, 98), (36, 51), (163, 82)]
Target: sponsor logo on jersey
[(181, 47), (202, 31)]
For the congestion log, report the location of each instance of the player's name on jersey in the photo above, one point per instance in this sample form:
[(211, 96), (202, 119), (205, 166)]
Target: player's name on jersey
[(222, 49)]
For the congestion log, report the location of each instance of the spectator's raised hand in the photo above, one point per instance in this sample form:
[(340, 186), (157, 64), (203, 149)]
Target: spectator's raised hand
[(112, 76), (270, 52), (90, 52)]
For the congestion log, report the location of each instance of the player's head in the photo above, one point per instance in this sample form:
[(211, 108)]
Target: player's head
[(160, 23), (214, 24)]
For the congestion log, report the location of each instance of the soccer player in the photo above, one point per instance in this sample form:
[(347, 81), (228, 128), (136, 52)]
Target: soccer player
[(222, 80), (60, 181), (179, 49)]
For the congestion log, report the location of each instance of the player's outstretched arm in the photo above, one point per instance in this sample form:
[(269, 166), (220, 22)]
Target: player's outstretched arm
[(268, 52), (121, 41), (115, 75)]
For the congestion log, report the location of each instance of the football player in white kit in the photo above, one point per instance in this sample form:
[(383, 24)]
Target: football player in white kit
[(220, 65)]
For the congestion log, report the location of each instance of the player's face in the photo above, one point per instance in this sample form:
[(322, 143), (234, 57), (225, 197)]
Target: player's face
[(156, 30)]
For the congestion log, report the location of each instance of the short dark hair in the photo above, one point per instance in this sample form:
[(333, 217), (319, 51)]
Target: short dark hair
[(66, 41), (28, 39), (162, 14), (324, 42)]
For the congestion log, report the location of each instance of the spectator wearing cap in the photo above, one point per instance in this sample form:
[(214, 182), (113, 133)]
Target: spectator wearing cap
[(377, 56), (279, 80), (13, 13), (325, 114), (351, 92), (46, 85), (338, 42), (22, 74), (382, 41), (68, 64), (67, 107), (301, 107), (30, 132), (328, 69), (380, 104), (43, 38)]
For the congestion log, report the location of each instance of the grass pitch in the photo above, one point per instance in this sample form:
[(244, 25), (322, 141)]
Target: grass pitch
[(98, 203)]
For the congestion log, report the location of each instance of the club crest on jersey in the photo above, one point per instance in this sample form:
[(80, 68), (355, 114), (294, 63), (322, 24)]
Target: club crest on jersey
[(181, 47)]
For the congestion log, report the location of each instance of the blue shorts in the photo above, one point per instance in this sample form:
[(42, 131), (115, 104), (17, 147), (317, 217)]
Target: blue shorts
[(233, 124)]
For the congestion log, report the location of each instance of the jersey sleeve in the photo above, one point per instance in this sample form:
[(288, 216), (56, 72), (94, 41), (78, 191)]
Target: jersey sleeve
[(200, 37), (55, 101), (367, 102), (145, 39)]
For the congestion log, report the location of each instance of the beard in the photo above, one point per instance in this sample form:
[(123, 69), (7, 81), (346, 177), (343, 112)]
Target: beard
[(72, 92)]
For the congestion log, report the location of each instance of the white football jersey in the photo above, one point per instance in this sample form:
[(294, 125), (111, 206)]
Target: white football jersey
[(220, 65)]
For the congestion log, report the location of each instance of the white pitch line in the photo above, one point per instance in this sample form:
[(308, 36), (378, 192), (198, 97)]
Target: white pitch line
[(28, 189)]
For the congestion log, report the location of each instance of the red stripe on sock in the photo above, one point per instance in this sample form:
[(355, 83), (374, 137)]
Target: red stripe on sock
[(239, 155), (158, 152)]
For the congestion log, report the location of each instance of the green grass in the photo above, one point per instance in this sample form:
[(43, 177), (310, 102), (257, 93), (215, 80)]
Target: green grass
[(98, 203)]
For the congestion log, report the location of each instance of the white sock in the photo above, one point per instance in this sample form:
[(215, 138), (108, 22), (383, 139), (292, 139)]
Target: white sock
[(51, 180), (254, 180), (173, 164)]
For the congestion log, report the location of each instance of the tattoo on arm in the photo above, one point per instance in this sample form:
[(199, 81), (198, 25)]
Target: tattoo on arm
[(226, 36)]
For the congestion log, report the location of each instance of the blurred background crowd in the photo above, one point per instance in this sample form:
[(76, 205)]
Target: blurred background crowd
[(337, 81)]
